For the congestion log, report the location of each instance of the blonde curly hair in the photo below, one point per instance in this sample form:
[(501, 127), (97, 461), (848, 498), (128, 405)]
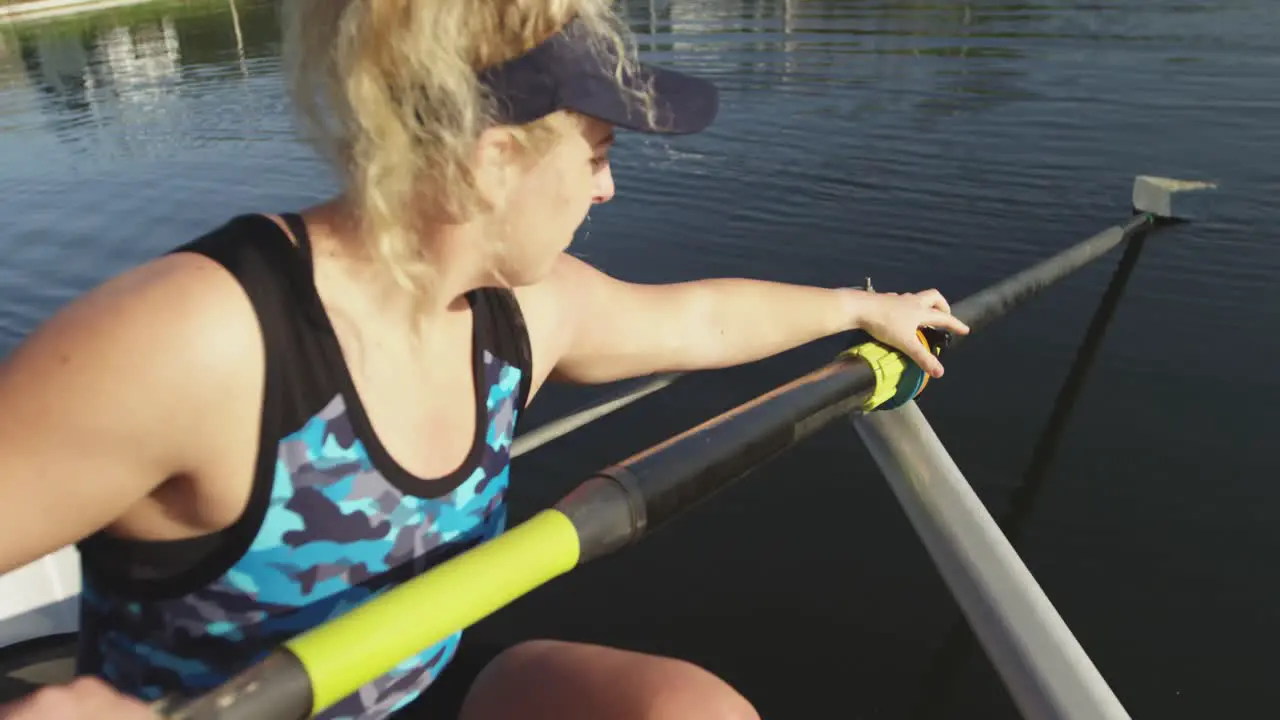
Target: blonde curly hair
[(389, 91)]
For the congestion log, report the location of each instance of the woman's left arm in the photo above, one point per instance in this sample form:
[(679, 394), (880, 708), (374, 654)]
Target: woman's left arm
[(611, 330)]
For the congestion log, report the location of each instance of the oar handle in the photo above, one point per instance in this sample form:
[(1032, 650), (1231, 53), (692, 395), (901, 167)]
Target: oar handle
[(314, 670), (277, 688)]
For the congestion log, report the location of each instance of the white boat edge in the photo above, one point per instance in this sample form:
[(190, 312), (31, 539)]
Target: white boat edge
[(41, 598)]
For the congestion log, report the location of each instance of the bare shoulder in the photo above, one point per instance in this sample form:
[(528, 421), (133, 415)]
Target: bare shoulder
[(549, 311), (570, 281), (181, 311), (115, 393)]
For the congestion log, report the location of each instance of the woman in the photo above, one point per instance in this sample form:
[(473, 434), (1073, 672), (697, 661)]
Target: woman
[(292, 413)]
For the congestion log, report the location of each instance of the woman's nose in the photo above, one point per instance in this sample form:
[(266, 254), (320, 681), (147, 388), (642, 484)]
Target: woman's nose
[(604, 186)]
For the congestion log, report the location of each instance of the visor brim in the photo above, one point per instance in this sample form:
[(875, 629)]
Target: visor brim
[(683, 104)]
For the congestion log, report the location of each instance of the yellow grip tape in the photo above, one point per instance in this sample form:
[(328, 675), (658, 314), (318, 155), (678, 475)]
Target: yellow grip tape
[(371, 639), (889, 365)]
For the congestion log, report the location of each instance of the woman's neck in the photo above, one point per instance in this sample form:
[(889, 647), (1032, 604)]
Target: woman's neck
[(356, 278)]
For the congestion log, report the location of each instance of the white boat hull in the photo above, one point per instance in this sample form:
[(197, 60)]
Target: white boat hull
[(39, 616)]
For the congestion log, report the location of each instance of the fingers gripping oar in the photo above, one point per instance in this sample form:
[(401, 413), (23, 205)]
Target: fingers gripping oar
[(608, 511)]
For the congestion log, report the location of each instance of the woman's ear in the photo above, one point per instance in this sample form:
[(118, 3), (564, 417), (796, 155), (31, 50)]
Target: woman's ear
[(496, 166)]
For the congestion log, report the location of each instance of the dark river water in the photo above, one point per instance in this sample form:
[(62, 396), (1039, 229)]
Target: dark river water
[(923, 144)]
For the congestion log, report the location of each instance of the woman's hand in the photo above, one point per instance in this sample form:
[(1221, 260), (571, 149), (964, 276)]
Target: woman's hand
[(83, 698), (894, 318)]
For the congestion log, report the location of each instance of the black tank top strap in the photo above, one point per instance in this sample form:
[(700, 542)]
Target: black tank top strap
[(275, 274), (501, 310), (298, 227)]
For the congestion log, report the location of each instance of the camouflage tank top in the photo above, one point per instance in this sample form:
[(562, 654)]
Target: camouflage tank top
[(332, 519)]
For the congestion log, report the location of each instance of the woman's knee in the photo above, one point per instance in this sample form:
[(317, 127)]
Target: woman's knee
[(681, 689), (692, 692), (548, 678)]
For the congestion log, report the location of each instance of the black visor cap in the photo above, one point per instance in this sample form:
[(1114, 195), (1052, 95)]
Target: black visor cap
[(566, 73)]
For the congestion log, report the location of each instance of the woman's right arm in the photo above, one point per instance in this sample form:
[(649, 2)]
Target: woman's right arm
[(80, 699), (131, 384)]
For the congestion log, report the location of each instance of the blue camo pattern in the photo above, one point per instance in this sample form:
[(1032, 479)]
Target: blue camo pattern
[(336, 533)]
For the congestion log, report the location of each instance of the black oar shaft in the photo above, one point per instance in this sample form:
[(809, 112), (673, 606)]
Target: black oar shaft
[(278, 688), (992, 302), (680, 473)]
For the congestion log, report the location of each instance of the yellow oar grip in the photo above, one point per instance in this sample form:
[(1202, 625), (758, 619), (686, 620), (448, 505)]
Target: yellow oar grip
[(891, 368), (365, 643)]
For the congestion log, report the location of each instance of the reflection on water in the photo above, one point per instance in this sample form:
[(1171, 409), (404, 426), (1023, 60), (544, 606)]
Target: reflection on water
[(136, 67), (126, 90), (922, 143), (122, 78), (929, 58)]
